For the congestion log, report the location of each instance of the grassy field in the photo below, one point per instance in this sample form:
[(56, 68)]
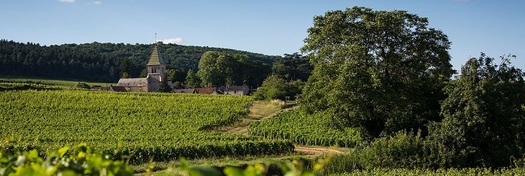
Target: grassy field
[(11, 83), (68, 83)]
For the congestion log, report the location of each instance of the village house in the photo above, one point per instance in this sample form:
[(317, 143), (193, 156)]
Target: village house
[(237, 90)]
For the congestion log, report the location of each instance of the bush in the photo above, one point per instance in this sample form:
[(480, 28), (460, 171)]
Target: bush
[(402, 150), (82, 85), (274, 87), (81, 160)]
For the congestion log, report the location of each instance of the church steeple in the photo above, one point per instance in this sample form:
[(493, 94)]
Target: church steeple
[(155, 58), (156, 66)]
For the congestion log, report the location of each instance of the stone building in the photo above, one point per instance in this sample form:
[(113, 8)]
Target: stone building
[(156, 68)]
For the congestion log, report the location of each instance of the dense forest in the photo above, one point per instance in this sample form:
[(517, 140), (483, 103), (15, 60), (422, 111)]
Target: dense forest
[(102, 62)]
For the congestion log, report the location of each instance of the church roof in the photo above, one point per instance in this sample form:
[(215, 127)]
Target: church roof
[(156, 58), (118, 88), (132, 82)]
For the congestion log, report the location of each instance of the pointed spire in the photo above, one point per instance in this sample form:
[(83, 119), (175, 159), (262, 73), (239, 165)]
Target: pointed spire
[(155, 58)]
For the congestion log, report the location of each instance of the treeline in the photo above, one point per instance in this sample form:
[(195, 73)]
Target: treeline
[(102, 62)]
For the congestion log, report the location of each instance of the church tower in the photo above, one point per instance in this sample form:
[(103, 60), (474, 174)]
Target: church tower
[(156, 70)]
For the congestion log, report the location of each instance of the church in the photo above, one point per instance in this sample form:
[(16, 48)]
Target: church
[(156, 68)]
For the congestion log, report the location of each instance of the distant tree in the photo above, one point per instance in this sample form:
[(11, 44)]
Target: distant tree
[(170, 74), (103, 62), (124, 75), (381, 71), (216, 68), (248, 71), (125, 68), (292, 67), (164, 86), (484, 116), (144, 73), (209, 72), (177, 85), (192, 80), (273, 87), (82, 85)]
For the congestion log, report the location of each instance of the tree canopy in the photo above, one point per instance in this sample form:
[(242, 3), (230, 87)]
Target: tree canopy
[(484, 117), (292, 67), (103, 62), (381, 71), (218, 68)]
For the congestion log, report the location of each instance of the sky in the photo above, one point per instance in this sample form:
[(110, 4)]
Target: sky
[(272, 27)]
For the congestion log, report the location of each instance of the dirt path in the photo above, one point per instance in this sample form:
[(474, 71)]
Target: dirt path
[(261, 111), (316, 150), (242, 127)]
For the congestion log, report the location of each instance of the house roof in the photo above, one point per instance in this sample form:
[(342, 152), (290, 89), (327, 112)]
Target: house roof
[(118, 88), (184, 90), (155, 58), (206, 90), (236, 88), (132, 82)]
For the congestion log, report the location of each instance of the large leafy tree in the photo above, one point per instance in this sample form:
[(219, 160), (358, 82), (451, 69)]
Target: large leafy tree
[(379, 70), (192, 80), (215, 68), (484, 117), (218, 68)]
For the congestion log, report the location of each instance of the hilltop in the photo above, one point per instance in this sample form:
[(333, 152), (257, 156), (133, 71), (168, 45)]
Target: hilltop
[(100, 62)]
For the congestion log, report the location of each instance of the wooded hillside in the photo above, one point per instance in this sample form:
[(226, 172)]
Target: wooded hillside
[(102, 62)]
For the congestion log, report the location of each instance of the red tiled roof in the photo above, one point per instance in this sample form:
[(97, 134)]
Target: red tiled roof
[(205, 90)]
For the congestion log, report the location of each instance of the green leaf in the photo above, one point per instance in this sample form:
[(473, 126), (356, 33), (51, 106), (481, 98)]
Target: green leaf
[(62, 151)]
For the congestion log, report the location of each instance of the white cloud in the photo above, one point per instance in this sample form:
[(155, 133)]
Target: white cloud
[(177, 40), (68, 1), (97, 2)]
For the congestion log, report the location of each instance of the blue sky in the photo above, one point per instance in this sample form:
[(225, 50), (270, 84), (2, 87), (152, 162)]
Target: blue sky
[(273, 27)]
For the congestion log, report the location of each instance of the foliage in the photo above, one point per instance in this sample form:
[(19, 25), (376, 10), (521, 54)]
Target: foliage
[(214, 68), (288, 168), (402, 150), (218, 68), (292, 67), (164, 86), (28, 85), (275, 87), (80, 160), (438, 172), (141, 126), (102, 62), (305, 129), (484, 118), (382, 71), (192, 80), (82, 85)]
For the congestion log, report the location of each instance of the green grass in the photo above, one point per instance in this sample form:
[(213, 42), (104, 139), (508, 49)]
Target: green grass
[(262, 109), (69, 83)]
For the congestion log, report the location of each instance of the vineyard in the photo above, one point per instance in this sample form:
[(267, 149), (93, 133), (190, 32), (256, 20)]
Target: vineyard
[(305, 129), (143, 126)]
